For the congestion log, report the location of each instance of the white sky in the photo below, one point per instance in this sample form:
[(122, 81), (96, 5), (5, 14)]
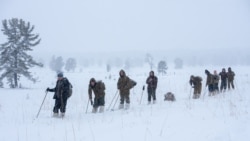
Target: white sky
[(83, 26)]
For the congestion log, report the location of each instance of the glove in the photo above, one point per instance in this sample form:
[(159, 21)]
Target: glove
[(135, 83), (91, 102), (47, 89)]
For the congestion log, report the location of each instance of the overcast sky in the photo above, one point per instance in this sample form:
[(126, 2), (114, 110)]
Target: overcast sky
[(83, 26)]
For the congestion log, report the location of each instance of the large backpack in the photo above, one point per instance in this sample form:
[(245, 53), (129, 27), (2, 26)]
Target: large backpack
[(70, 88), (132, 83)]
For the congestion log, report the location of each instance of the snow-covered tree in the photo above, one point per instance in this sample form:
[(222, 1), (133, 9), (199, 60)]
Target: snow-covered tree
[(178, 63), (56, 64), (162, 67), (70, 64), (15, 60), (149, 59), (108, 67)]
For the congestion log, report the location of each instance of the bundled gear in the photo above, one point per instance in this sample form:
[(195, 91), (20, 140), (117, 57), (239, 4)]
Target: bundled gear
[(210, 82), (169, 97), (151, 81), (98, 87), (223, 77), (124, 85), (230, 75), (61, 94), (195, 82), (216, 82)]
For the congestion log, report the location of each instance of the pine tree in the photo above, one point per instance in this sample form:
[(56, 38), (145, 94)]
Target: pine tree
[(56, 64), (15, 60), (162, 67), (70, 64)]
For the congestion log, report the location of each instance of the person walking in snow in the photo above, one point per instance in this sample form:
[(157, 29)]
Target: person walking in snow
[(223, 77), (124, 85), (216, 82), (195, 82), (210, 82), (230, 76), (61, 94), (151, 81), (98, 87)]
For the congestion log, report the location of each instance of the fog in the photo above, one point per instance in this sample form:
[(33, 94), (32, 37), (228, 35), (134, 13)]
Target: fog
[(206, 32)]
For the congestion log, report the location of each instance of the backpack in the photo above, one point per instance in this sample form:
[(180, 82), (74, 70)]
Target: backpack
[(70, 88), (132, 83)]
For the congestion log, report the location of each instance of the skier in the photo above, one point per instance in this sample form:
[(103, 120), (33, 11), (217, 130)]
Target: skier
[(230, 75), (152, 81), (61, 94), (195, 82), (124, 85), (223, 77), (98, 88), (210, 82), (216, 82)]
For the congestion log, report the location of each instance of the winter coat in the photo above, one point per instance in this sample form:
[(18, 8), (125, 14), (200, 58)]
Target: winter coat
[(152, 82), (124, 84), (230, 75), (62, 89), (210, 79), (98, 89), (195, 81), (216, 78), (223, 76)]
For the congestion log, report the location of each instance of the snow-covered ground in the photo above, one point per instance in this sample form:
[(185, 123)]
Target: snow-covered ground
[(224, 117)]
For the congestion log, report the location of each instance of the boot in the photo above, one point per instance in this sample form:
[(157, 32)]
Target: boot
[(154, 101), (55, 114), (127, 106), (94, 110), (62, 115), (121, 106), (149, 102), (101, 109)]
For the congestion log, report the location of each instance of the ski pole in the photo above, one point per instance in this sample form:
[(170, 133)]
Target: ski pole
[(87, 107), (112, 100), (42, 104), (143, 88), (115, 103), (190, 92)]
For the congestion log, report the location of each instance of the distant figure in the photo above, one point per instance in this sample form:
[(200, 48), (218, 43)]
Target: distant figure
[(169, 97), (61, 94), (210, 82), (216, 82), (99, 91), (152, 81), (230, 75), (124, 85), (223, 77), (195, 82)]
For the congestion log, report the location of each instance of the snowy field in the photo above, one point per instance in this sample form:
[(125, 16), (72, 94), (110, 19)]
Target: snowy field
[(224, 117)]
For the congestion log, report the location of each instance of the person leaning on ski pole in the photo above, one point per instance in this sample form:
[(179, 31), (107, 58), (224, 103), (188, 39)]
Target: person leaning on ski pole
[(61, 94), (98, 88)]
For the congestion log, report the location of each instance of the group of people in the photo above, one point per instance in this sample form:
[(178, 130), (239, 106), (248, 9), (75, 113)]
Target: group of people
[(124, 85), (212, 82)]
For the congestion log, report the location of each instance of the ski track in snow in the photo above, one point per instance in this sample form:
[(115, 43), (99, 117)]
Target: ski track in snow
[(224, 117)]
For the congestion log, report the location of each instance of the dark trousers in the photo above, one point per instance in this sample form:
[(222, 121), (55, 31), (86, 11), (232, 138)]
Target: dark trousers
[(60, 103), (124, 97), (223, 85), (99, 102), (231, 83), (151, 93)]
